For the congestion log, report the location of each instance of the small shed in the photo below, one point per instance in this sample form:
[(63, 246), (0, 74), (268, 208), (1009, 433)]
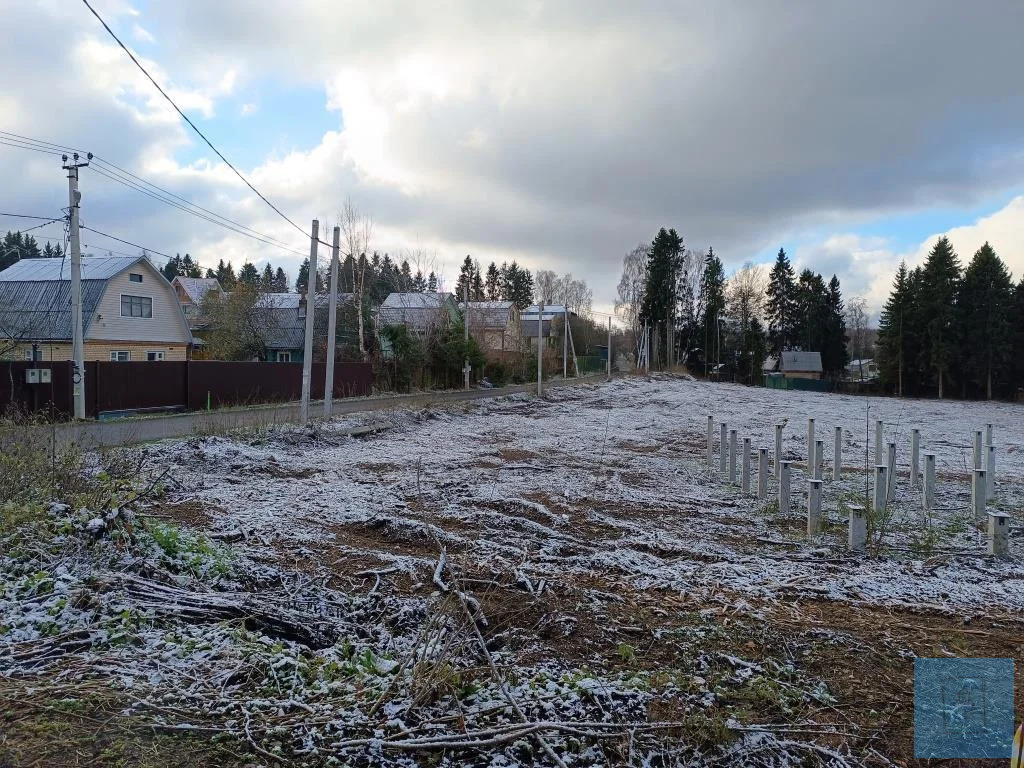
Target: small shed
[(795, 364)]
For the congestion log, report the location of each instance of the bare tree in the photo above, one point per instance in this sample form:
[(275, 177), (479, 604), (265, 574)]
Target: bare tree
[(545, 286), (574, 294), (631, 287), (357, 231), (745, 294), (857, 329)]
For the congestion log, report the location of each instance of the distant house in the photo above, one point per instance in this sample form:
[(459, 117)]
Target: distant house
[(862, 369), (281, 318), (495, 325), (793, 364), (190, 292), (553, 317), (129, 311), (421, 313)]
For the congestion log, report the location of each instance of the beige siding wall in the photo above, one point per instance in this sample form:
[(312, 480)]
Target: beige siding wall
[(101, 350), (166, 324)]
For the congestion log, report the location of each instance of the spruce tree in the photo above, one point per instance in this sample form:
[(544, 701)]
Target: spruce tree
[(781, 306), (940, 279), (172, 268), (267, 279), (432, 282), (660, 293), (302, 280), (984, 309), (190, 268), (419, 283), (891, 348), (249, 275), (492, 283), (464, 285), (405, 277), (712, 297), (1017, 334), (226, 275), (834, 355), (280, 281)]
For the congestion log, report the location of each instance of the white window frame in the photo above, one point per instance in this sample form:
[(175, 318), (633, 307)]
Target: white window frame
[(284, 355), (159, 355), (115, 355), (133, 275), (28, 356), (133, 296)]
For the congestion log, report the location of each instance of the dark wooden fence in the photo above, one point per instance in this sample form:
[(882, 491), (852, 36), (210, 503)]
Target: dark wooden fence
[(192, 386)]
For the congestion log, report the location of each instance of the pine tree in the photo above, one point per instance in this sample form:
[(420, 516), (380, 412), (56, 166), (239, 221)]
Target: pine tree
[(226, 275), (280, 284), (712, 297), (492, 283), (210, 274), (659, 304), (464, 285), (901, 332), (419, 284), (810, 311), (53, 251), (984, 309), (517, 285), (940, 279), (432, 282), (781, 309), (1017, 334), (405, 274), (834, 355), (190, 268), (303, 277), (476, 289), (267, 279), (172, 268), (249, 275)]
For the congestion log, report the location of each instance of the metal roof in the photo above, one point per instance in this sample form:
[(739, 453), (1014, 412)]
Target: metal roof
[(415, 300), (489, 314), (809, 362), (41, 270), (418, 311), (41, 311), (197, 287)]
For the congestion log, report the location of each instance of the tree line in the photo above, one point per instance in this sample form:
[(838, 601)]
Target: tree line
[(949, 329), (693, 314)]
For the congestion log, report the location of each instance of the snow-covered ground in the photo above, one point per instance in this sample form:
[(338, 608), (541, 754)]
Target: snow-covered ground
[(634, 607)]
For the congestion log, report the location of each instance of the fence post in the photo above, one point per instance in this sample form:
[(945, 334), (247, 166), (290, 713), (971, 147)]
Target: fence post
[(762, 473), (990, 467), (778, 448), (978, 494), (732, 457), (915, 457), (784, 488), (881, 491), (813, 507), (928, 493), (998, 533), (722, 448), (711, 440), (745, 471), (837, 455), (858, 534)]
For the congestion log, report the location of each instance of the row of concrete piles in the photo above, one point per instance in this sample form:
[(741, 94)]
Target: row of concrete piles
[(885, 470)]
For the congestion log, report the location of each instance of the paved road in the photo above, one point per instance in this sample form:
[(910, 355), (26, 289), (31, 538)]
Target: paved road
[(95, 434)]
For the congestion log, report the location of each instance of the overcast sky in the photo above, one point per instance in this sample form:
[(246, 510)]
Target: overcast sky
[(559, 134)]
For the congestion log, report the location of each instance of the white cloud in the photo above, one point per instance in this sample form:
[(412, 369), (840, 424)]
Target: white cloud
[(141, 34), (557, 134)]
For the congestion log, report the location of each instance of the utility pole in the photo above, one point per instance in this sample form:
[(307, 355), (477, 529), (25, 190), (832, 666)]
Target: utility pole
[(77, 342), (332, 323), (565, 342), (465, 330), (609, 348), (307, 351), (540, 349)]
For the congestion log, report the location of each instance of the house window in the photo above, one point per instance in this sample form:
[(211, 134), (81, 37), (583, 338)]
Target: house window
[(28, 355), (136, 306), (284, 357), (135, 277), (120, 355), (155, 355)]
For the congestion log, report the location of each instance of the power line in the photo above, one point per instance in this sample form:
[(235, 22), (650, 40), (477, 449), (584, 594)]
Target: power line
[(26, 216), (128, 242), (131, 180), (23, 146), (191, 124)]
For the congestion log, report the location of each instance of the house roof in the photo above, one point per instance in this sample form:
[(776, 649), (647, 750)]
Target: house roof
[(419, 311), (35, 295), (197, 287), (806, 362), (293, 300), (43, 270), (489, 314), (550, 312), (283, 326)]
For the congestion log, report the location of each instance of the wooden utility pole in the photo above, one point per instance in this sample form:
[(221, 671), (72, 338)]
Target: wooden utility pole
[(77, 335), (307, 351), (465, 332), (540, 349), (332, 323), (565, 342), (609, 348)]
